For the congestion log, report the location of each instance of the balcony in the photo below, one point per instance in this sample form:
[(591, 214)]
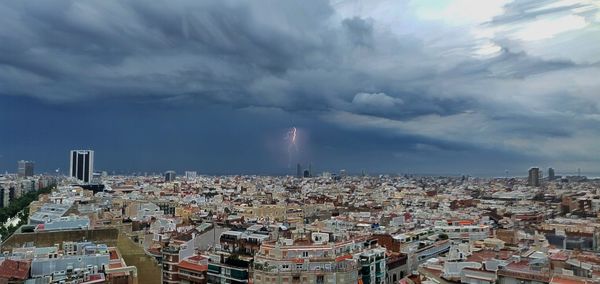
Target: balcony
[(297, 271), (528, 275), (214, 269), (239, 274)]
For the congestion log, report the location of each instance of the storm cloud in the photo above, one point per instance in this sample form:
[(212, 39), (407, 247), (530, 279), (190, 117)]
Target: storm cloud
[(515, 81)]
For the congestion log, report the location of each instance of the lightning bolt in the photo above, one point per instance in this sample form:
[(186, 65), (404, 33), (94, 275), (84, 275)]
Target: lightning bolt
[(294, 131), (291, 138)]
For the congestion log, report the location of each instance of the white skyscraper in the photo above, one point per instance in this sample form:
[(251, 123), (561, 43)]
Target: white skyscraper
[(82, 165), (190, 175)]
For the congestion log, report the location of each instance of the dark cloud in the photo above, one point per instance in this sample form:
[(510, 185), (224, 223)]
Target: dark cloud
[(359, 31), (205, 64)]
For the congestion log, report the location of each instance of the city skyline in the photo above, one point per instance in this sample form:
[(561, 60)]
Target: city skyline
[(300, 142), (299, 171), (379, 86)]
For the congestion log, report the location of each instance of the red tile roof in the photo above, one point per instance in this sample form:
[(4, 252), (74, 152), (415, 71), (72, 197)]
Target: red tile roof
[(115, 265), (196, 258), (560, 255), (522, 265), (113, 254), (193, 266), (343, 257), (94, 277), (15, 269), (564, 280), (483, 255)]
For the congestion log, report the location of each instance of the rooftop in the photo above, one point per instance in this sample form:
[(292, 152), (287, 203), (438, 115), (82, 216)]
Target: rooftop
[(14, 269)]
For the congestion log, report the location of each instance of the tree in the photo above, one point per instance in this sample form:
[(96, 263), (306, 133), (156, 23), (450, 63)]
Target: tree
[(19, 207)]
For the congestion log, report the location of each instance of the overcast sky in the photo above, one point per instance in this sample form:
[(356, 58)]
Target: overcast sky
[(440, 87)]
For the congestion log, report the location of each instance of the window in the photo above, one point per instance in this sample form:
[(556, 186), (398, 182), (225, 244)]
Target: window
[(304, 254), (320, 279)]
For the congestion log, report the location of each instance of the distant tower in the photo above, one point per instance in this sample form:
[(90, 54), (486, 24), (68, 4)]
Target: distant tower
[(25, 168), (298, 170), (190, 175), (551, 175), (306, 173), (310, 173), (534, 177), (170, 176), (82, 165)]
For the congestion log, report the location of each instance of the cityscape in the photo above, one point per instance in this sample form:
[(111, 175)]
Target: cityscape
[(92, 227), (300, 142)]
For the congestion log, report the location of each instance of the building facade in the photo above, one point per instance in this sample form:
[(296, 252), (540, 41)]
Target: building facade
[(25, 168), (317, 260), (533, 179), (170, 176), (82, 165)]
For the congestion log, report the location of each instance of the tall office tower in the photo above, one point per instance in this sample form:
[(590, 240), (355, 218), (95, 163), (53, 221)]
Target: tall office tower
[(169, 176), (551, 175), (25, 168), (534, 177), (298, 171), (189, 175), (82, 165)]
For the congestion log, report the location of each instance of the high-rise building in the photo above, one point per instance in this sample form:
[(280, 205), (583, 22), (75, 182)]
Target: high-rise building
[(551, 175), (298, 170), (82, 165), (25, 168), (534, 177), (169, 176), (190, 175)]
